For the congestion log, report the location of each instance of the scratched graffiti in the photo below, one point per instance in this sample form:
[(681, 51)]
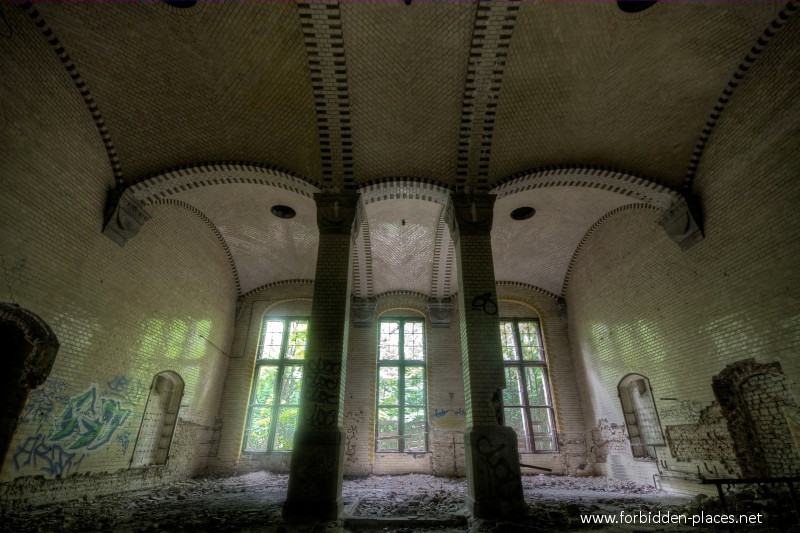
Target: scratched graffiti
[(323, 377), (124, 440), (50, 459), (88, 421), (43, 401), (351, 434), (504, 479), (127, 389)]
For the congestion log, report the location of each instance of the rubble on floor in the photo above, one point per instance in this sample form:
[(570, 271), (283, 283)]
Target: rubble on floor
[(252, 503)]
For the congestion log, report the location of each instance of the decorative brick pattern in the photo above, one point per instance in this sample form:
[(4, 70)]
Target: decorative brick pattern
[(213, 228), (491, 39), (321, 23), (777, 23), (80, 84)]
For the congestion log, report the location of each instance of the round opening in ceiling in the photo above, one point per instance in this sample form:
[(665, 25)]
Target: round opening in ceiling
[(181, 4), (635, 6), (282, 211), (523, 213)]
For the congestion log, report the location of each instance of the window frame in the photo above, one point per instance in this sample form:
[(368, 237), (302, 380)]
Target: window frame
[(520, 365), (401, 364), (643, 449), (280, 364)]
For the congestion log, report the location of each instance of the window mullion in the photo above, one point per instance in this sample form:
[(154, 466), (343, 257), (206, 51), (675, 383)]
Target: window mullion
[(401, 393), (523, 384), (273, 427)]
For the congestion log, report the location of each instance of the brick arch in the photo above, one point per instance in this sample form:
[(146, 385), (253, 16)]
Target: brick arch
[(80, 85), (769, 32), (172, 181), (29, 348), (43, 341), (728, 387), (638, 187)]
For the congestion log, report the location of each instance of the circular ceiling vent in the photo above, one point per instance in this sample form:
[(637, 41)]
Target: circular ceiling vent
[(523, 213), (635, 6), (181, 4), (282, 211)]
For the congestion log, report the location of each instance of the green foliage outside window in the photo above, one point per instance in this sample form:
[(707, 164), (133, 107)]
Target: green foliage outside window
[(402, 424), (272, 417), (528, 406)]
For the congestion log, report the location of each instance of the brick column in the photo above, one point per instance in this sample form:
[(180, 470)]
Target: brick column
[(315, 478), (493, 472)]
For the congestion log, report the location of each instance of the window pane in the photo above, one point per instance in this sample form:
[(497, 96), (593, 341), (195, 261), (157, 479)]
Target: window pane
[(415, 386), (284, 434), (537, 390), (387, 429), (413, 341), (513, 420), (390, 340), (529, 341), (414, 430), (290, 388), (259, 429), (542, 426), (388, 386), (298, 337), (507, 340), (511, 394), (265, 384), (273, 337)]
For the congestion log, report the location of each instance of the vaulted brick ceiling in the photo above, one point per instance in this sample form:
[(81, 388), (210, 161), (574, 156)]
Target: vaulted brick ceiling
[(458, 94)]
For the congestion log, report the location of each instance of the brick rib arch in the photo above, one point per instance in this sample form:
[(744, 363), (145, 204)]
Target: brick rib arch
[(173, 181), (739, 74), (80, 85), (208, 222)]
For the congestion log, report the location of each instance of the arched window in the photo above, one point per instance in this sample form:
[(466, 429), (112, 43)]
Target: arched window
[(527, 401), (158, 423), (641, 418), (275, 400), (402, 419)]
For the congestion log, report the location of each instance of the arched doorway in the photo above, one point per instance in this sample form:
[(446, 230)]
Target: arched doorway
[(29, 348)]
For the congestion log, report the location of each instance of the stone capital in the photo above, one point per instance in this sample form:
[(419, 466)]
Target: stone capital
[(441, 313), (680, 224), (362, 312), (336, 212), (124, 216)]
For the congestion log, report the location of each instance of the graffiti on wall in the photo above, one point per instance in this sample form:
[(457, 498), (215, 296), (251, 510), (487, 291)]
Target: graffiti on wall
[(449, 418), (42, 402), (50, 459), (67, 428), (127, 389)]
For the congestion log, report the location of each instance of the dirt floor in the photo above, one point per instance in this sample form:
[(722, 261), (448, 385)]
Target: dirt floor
[(411, 503)]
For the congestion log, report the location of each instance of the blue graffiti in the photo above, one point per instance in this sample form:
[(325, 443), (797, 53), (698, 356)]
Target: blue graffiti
[(124, 440), (438, 413), (50, 459), (84, 424), (43, 401), (125, 388)]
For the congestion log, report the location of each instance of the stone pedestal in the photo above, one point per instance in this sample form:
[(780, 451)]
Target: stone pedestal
[(315, 476), (494, 477)]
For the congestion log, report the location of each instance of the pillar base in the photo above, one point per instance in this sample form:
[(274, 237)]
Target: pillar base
[(493, 474), (315, 483)]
